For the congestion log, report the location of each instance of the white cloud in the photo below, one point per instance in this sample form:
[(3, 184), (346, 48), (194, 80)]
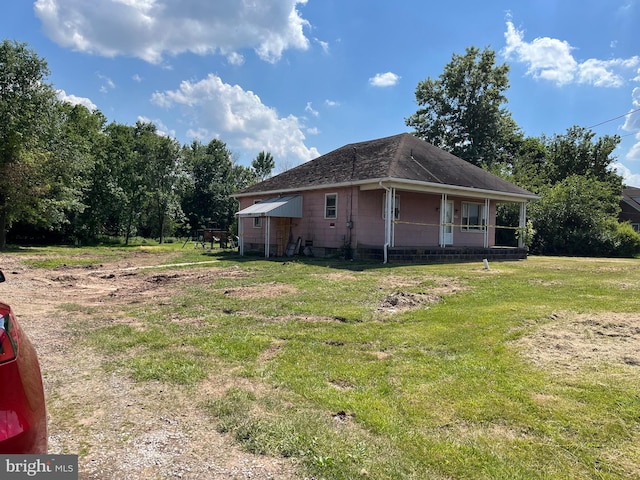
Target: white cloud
[(632, 121), (234, 58), (331, 103), (137, 78), (552, 59), (161, 128), (107, 84), (309, 109), (218, 110), (634, 152), (150, 29), (72, 99), (630, 179), (323, 45), (387, 79)]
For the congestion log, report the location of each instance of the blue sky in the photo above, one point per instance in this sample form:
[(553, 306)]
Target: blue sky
[(299, 78)]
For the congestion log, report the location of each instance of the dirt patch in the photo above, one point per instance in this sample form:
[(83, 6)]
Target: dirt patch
[(571, 341), (120, 428), (404, 300)]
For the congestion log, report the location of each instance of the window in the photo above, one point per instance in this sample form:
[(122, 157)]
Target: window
[(396, 213), (473, 217), (257, 221), (331, 205), (636, 227)]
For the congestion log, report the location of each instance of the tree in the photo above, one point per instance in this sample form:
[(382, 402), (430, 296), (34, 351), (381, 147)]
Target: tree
[(578, 152), (462, 112), (263, 165), (206, 197), (27, 104), (574, 217), (162, 160)]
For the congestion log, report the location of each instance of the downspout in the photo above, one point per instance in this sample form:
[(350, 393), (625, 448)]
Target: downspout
[(387, 221)]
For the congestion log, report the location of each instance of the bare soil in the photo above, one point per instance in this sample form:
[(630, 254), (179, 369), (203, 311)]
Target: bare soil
[(120, 428)]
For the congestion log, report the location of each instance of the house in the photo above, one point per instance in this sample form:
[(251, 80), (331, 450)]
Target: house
[(630, 207), (394, 199)]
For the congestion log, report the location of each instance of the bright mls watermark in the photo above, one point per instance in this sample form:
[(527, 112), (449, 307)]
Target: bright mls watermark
[(44, 467)]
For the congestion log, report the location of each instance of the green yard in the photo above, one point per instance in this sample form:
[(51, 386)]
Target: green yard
[(528, 370)]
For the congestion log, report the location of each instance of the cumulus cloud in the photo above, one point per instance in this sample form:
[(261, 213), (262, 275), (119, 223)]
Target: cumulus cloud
[(387, 79), (161, 129), (632, 121), (331, 103), (74, 100), (219, 110), (630, 179), (150, 29), (552, 59)]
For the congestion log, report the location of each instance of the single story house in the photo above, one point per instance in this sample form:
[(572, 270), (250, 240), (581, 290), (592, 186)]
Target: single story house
[(397, 198), (630, 207)]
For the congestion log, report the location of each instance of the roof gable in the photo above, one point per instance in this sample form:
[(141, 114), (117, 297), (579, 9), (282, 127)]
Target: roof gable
[(402, 157), (631, 196)]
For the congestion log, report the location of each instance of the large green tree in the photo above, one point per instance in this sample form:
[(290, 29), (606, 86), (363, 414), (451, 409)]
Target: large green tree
[(263, 165), (162, 162), (462, 110), (210, 182), (27, 106)]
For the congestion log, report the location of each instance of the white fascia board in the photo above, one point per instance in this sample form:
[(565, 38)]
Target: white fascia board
[(417, 186)]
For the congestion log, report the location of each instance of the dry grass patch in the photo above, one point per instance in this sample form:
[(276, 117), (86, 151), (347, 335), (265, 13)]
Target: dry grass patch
[(262, 290), (574, 341)]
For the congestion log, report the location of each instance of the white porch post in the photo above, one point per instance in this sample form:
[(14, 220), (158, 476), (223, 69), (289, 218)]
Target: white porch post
[(387, 221), (241, 236), (487, 204), (443, 207), (392, 224), (267, 236), (522, 224)]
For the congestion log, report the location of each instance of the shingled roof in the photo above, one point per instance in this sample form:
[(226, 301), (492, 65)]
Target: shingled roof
[(398, 158)]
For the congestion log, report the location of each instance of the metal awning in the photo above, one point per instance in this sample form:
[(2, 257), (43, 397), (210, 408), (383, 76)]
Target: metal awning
[(290, 206)]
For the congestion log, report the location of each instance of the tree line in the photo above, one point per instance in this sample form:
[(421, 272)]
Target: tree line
[(67, 175), (463, 111)]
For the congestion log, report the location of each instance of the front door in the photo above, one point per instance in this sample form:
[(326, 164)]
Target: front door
[(447, 227)]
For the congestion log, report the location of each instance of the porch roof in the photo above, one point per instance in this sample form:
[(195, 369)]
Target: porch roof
[(290, 206)]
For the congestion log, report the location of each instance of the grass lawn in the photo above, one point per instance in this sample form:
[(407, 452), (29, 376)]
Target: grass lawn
[(360, 370)]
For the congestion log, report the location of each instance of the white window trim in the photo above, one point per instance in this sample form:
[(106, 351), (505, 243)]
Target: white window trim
[(481, 226), (396, 214), (326, 197)]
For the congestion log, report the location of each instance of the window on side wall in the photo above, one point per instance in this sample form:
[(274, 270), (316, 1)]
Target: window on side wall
[(331, 205), (396, 211), (472, 217), (257, 221)]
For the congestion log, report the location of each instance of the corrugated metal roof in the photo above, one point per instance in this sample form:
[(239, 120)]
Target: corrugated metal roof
[(290, 207)]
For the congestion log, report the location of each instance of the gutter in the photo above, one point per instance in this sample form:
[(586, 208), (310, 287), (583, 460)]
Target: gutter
[(417, 186)]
